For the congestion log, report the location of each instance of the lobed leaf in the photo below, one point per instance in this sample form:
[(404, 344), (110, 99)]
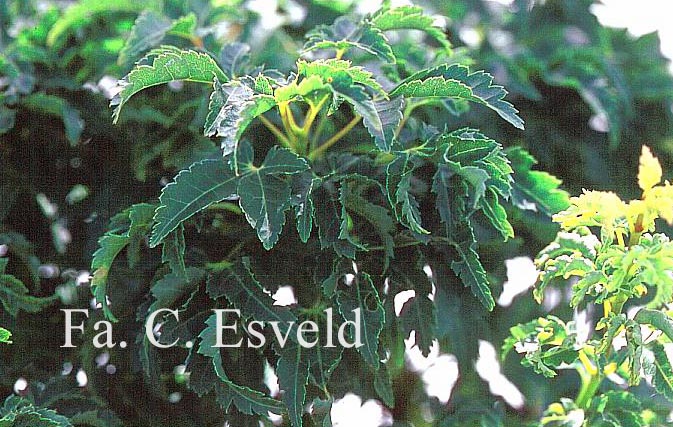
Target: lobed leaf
[(456, 81), (410, 18), (194, 189), (168, 64)]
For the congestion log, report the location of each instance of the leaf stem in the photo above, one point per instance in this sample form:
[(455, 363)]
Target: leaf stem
[(277, 132), (335, 138)]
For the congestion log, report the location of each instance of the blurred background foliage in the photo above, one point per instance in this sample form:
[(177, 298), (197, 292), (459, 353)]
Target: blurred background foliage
[(590, 97)]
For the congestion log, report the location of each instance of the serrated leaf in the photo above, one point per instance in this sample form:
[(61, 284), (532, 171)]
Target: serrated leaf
[(172, 287), (204, 183), (418, 313), (344, 34), (472, 274), (663, 373), (302, 201), (455, 80), (410, 18), (398, 188), (495, 212), (245, 399), (109, 246), (233, 106), (352, 200), (535, 188), (173, 251), (242, 290), (326, 68), (15, 297), (168, 64), (207, 362), (381, 117), (296, 90), (292, 370), (328, 218), (264, 195), (363, 295)]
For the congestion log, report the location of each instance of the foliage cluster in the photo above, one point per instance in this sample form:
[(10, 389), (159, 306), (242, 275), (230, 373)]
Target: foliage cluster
[(351, 157)]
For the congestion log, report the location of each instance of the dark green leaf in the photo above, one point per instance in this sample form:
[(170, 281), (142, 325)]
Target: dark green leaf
[(204, 183), (292, 371), (363, 296)]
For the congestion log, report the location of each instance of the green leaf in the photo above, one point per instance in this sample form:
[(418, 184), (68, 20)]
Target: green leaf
[(472, 273), (663, 373), (233, 106), (398, 189), (535, 188), (168, 64), (264, 195), (381, 118), (496, 214), (173, 251), (204, 183), (5, 336), (410, 18), (14, 294), (59, 107), (384, 386), (148, 31), (302, 202), (82, 12), (353, 199), (172, 287), (244, 292), (328, 215), (299, 90), (419, 313), (363, 295), (109, 246), (292, 370), (456, 81), (344, 34), (326, 68)]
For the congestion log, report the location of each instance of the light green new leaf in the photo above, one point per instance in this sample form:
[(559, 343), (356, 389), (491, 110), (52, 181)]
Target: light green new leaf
[(5, 336), (410, 18), (363, 295), (456, 81), (326, 68), (168, 64), (204, 183)]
